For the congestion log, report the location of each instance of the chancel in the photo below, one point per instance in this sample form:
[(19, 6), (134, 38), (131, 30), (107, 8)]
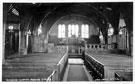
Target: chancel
[(91, 41)]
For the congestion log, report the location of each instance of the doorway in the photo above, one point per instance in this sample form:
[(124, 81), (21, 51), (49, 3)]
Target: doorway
[(11, 42)]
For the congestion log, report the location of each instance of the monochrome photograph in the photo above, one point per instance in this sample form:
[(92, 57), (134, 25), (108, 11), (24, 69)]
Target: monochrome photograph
[(67, 42)]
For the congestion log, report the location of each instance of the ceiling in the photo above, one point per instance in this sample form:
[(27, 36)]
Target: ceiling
[(101, 13)]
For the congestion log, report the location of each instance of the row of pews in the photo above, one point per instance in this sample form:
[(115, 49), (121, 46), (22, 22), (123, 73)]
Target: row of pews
[(109, 67), (36, 67), (26, 71), (96, 69), (124, 76)]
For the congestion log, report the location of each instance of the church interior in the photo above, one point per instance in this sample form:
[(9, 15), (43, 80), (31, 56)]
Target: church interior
[(73, 41)]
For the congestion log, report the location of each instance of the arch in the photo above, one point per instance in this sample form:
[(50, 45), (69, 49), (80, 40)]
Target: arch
[(87, 10)]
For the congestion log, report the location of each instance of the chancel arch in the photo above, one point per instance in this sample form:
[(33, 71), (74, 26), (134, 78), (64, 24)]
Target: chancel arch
[(75, 26)]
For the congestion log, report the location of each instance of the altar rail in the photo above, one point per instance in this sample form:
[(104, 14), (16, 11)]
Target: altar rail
[(98, 47)]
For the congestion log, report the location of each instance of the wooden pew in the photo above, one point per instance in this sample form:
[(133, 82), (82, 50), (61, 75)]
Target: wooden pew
[(103, 67), (123, 76), (96, 68)]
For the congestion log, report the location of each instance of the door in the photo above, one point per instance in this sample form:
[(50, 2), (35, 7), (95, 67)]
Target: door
[(11, 42)]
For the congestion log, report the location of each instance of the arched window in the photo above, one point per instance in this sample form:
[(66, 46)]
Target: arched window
[(76, 30), (85, 31), (73, 30), (82, 31), (69, 30), (61, 31)]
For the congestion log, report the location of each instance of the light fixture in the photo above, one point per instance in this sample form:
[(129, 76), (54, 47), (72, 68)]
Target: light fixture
[(101, 36), (110, 31), (108, 8), (40, 30), (11, 28), (120, 32), (29, 32), (122, 23)]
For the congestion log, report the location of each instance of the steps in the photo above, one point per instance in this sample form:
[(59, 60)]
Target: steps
[(74, 56)]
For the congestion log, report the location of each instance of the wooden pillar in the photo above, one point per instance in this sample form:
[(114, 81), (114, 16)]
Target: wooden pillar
[(129, 42), (27, 41), (23, 43), (116, 33), (26, 44), (3, 50), (19, 46), (106, 38)]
